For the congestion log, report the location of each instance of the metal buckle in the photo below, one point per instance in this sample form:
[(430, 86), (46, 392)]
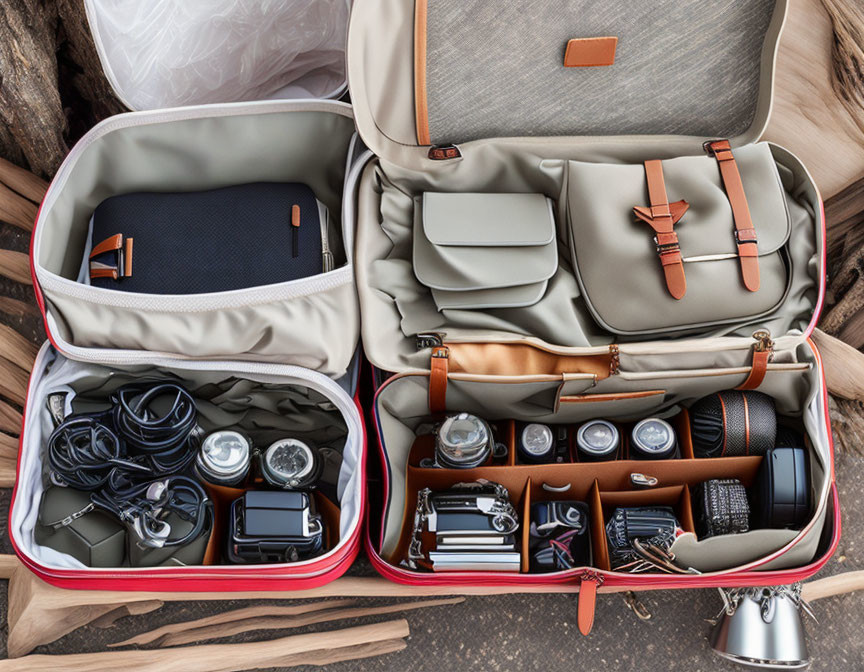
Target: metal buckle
[(738, 240), (668, 247)]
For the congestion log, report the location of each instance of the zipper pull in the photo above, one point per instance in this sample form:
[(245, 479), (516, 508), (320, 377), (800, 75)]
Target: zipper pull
[(763, 341), (590, 582), (444, 152), (428, 340), (295, 230), (763, 352)]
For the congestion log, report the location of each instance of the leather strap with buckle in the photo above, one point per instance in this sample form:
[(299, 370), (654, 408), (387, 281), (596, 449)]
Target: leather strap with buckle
[(662, 216), (745, 234), (122, 248)]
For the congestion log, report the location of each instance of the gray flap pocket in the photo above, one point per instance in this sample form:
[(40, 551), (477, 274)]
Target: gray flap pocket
[(484, 250), (616, 258)]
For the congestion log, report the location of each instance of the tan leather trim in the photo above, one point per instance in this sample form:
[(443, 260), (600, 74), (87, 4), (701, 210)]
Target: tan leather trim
[(127, 258), (586, 607), (438, 380), (587, 52), (111, 244), (295, 216), (662, 217), (745, 234), (519, 359), (609, 396), (102, 271), (758, 370), (421, 109), (525, 564)]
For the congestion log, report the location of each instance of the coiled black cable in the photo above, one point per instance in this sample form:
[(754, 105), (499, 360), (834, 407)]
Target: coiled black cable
[(150, 503), (82, 453), (164, 443)]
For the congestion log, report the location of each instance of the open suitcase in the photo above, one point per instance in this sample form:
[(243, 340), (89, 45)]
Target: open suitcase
[(596, 300), (280, 356)]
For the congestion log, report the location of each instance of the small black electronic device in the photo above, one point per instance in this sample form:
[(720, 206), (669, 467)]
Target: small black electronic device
[(782, 489), (274, 527)]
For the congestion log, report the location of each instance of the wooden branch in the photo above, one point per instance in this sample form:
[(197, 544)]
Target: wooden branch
[(269, 617), (843, 366), (847, 20), (233, 616), (838, 584), (30, 106), (16, 348), (847, 424), (135, 609), (15, 266), (16, 210), (40, 613), (10, 419), (23, 181), (8, 447), (17, 308), (13, 382), (843, 213), (213, 657), (80, 66)]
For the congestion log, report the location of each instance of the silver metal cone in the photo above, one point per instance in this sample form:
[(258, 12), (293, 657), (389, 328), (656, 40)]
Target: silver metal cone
[(762, 627)]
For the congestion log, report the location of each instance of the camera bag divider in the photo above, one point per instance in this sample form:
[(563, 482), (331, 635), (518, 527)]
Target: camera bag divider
[(284, 353), (691, 260)]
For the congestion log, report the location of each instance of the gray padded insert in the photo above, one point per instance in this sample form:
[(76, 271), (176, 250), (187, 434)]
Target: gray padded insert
[(683, 67)]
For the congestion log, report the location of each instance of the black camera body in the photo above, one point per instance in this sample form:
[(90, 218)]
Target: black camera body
[(274, 527)]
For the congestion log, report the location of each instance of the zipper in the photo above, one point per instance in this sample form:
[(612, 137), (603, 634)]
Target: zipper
[(326, 252)]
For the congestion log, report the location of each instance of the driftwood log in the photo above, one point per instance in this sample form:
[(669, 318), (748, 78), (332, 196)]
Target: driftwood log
[(49, 66)]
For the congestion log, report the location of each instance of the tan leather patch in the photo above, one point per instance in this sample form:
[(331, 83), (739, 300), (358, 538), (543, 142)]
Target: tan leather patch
[(590, 52)]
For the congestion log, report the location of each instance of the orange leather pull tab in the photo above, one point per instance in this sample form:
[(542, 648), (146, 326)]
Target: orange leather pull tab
[(757, 371), (589, 52), (122, 249), (127, 258), (438, 367), (111, 244), (295, 216), (745, 234), (587, 603), (662, 217)]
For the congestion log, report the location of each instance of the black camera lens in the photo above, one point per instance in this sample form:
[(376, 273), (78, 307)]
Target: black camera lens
[(597, 441), (653, 439), (536, 444)]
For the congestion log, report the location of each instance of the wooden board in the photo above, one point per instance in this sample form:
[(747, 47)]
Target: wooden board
[(807, 118)]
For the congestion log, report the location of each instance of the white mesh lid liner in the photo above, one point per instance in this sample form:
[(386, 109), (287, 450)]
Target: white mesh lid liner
[(169, 53)]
